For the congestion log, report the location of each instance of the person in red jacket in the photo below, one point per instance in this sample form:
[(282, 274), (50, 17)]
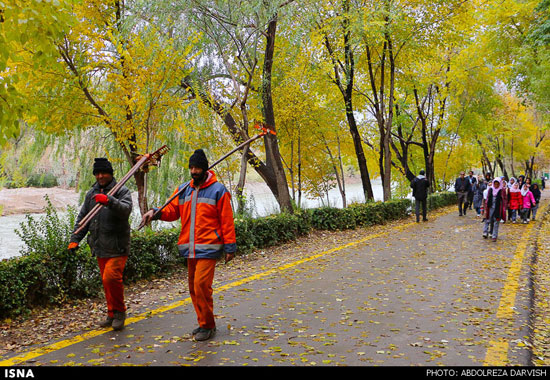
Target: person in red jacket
[(515, 200), (207, 231)]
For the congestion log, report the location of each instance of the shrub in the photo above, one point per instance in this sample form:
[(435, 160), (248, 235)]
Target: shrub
[(42, 180), (152, 253), (48, 271), (442, 199), (328, 218), (264, 232)]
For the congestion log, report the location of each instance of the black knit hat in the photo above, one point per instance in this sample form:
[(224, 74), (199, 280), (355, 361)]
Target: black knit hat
[(199, 160), (102, 165)]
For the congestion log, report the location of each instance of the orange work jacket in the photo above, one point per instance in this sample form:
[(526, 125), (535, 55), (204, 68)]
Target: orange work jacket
[(207, 226)]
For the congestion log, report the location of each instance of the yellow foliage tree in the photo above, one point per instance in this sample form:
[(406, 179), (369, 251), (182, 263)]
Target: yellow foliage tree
[(114, 72)]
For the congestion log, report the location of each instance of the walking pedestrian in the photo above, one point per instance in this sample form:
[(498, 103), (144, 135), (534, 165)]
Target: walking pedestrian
[(478, 189), (515, 201), (527, 203), (527, 182), (473, 181), (493, 211), (521, 181), (505, 194), (420, 186), (485, 196), (207, 231), (542, 183), (510, 187), (536, 195), (462, 188), (108, 238)]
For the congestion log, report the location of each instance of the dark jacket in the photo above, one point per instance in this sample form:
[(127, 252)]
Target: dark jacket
[(109, 230), (493, 208), (536, 194), (420, 186), (478, 189), (462, 185)]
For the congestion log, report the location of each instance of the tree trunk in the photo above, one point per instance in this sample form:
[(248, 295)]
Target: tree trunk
[(273, 156), (359, 153), (141, 183), (299, 203), (240, 184), (346, 89)]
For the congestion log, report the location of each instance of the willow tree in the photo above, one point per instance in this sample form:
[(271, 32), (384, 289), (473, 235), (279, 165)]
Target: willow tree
[(113, 72), (28, 31)]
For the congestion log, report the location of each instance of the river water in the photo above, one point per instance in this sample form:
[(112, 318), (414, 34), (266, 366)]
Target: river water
[(261, 201)]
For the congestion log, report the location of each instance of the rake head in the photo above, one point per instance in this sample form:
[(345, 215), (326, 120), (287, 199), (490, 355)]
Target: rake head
[(265, 128), (154, 158)]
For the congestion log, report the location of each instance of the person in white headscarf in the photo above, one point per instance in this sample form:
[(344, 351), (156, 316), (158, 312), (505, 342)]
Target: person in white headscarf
[(484, 202), (493, 210), (515, 201), (511, 185)]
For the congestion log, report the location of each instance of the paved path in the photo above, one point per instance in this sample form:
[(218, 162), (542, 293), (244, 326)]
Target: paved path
[(433, 293)]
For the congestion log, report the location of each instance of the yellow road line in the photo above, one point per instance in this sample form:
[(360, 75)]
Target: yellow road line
[(508, 297), (91, 334), (497, 353)]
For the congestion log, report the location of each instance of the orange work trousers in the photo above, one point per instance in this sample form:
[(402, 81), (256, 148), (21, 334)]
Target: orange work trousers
[(111, 270), (200, 273)]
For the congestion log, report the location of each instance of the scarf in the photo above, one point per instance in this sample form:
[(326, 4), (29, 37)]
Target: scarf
[(524, 190), (496, 188), (514, 188)]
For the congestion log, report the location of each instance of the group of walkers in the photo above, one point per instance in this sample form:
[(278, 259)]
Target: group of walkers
[(207, 234), (497, 200)]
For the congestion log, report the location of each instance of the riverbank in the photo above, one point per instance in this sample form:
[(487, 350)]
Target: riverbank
[(31, 200)]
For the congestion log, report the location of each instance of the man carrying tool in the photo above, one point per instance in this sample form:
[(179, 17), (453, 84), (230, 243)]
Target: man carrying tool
[(207, 231), (109, 238)]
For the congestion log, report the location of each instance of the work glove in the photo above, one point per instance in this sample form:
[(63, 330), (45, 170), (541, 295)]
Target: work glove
[(72, 246), (101, 198)]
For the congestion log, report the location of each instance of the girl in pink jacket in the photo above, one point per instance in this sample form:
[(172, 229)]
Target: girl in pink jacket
[(527, 203)]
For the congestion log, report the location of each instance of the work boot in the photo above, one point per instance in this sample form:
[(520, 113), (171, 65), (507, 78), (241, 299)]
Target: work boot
[(118, 321), (107, 322), (204, 334)]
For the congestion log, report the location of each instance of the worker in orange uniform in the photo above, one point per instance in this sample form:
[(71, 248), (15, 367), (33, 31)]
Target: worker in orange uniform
[(207, 232), (109, 238)]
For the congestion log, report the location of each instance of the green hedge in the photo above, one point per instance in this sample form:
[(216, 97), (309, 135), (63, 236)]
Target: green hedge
[(48, 274), (439, 200)]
